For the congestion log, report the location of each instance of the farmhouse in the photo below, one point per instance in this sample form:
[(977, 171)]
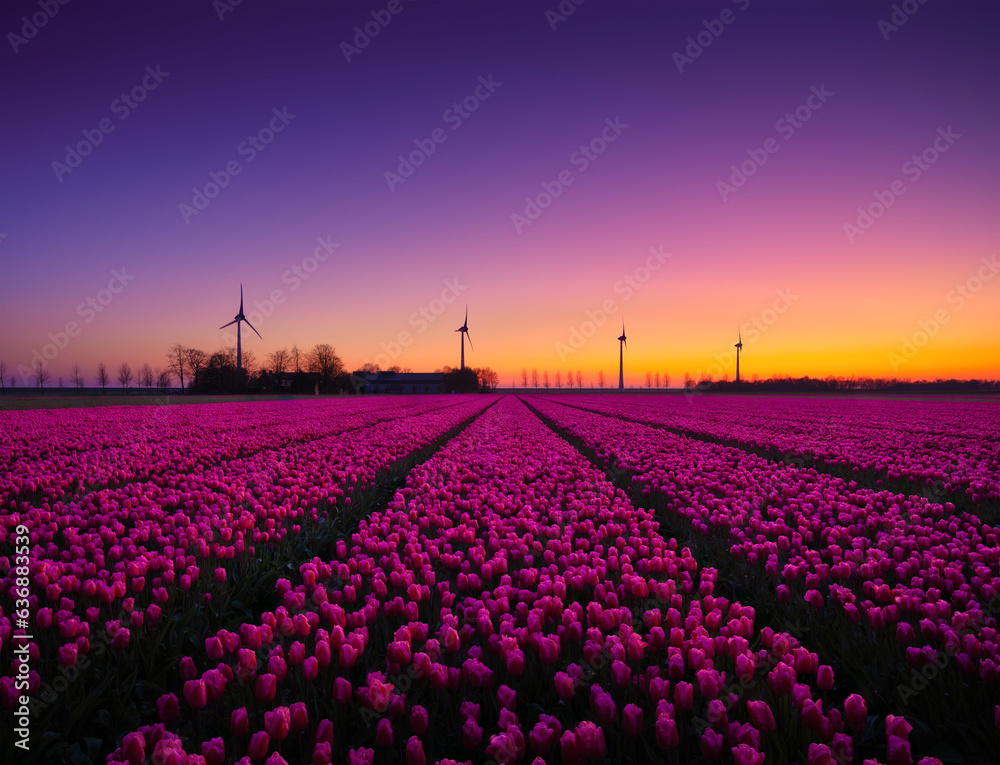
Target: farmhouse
[(398, 382)]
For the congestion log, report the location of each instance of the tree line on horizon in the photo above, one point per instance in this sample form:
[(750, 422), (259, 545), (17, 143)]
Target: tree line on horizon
[(200, 372)]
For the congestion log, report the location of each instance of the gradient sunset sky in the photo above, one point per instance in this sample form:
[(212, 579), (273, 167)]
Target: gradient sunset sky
[(644, 123)]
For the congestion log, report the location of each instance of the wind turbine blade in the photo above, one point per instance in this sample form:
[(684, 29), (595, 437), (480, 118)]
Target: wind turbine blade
[(229, 325), (241, 301), (254, 330), (466, 314), (469, 339)]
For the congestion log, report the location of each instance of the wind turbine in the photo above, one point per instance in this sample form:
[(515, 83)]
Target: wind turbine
[(738, 347), (464, 329), (621, 358), (240, 318)]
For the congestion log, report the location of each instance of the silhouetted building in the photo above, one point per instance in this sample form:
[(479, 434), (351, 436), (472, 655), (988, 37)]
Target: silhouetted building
[(398, 382)]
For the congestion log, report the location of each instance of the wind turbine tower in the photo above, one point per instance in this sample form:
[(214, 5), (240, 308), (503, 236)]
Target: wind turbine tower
[(621, 358), (464, 329), (237, 321), (738, 347)]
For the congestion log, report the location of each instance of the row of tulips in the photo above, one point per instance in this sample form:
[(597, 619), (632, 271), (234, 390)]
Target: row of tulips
[(129, 568), (62, 454), (899, 566), (509, 605), (951, 446)]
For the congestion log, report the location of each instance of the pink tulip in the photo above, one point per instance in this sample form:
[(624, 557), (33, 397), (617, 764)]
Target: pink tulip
[(266, 685), (418, 720), (361, 757), (898, 751), (239, 722), (761, 716), (683, 696), (824, 677), (299, 717), (711, 744), (667, 737), (324, 731), (819, 754), (897, 726), (343, 691), (744, 754), (856, 712), (472, 734), (415, 752), (565, 686), (621, 675), (570, 749), (134, 748), (632, 718), (708, 683), (67, 655), (322, 753), (121, 639), (383, 733), (843, 748), (277, 723), (196, 694), (213, 647), (260, 742), (214, 751), (507, 697), (310, 668), (167, 708)]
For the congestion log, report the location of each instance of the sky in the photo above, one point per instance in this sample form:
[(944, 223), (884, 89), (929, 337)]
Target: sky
[(817, 179)]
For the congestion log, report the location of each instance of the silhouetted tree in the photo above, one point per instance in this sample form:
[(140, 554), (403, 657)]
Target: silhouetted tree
[(534, 377), (489, 379), (41, 374), (324, 360), (579, 380), (278, 360), (196, 361), (249, 363), (559, 379), (524, 377), (600, 379), (666, 380), (545, 379), (295, 357), (3, 376), (163, 380), (102, 376), (77, 377), (649, 380), (146, 376), (177, 361), (124, 375)]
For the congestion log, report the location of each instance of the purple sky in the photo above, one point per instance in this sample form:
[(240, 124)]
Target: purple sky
[(911, 295)]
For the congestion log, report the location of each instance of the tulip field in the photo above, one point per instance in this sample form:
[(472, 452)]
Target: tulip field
[(534, 578)]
